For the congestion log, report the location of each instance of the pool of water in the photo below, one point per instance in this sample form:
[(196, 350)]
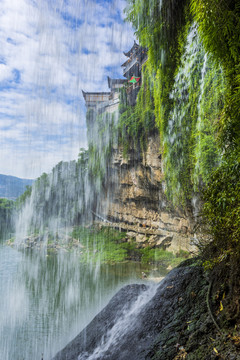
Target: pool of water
[(47, 299)]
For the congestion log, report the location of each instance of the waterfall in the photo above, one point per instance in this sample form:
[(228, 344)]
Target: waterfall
[(127, 321), (49, 289), (75, 190), (190, 138), (199, 125), (57, 200), (180, 123)]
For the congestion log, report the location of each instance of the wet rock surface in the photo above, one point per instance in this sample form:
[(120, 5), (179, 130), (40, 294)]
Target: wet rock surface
[(94, 333), (62, 242), (174, 324)]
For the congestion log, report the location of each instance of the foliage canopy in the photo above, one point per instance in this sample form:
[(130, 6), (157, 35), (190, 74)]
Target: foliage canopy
[(196, 98)]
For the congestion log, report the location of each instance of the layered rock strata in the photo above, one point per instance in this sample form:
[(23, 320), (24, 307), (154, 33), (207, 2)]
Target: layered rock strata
[(139, 205)]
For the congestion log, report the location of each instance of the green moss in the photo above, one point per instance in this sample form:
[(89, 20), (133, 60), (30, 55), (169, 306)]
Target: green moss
[(137, 122)]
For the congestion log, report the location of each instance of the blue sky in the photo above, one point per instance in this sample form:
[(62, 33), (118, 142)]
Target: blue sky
[(49, 52)]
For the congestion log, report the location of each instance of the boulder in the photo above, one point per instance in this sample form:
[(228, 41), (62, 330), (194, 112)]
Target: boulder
[(139, 323)]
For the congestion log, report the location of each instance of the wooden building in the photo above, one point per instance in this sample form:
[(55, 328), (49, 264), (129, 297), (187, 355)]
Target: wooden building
[(93, 99), (105, 101), (115, 84), (137, 56), (132, 67)]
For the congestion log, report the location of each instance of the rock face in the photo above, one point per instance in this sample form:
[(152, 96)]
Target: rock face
[(139, 205), (91, 337), (139, 323)]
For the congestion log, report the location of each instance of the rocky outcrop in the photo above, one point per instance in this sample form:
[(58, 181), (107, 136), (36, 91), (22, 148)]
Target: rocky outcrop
[(172, 321), (139, 205), (89, 338)]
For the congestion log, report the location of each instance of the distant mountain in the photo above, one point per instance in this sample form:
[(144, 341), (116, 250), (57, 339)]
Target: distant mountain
[(12, 187)]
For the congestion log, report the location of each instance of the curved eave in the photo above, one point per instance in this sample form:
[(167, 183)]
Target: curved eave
[(132, 50)]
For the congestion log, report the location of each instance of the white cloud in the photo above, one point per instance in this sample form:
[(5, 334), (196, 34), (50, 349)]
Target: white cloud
[(49, 52), (5, 72)]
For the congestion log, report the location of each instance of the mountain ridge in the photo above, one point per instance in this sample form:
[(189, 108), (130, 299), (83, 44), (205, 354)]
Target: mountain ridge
[(11, 187)]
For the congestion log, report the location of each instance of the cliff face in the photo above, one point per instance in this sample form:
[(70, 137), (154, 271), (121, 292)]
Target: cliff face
[(139, 205)]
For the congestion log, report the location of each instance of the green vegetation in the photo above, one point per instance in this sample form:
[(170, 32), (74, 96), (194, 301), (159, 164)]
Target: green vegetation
[(22, 198), (222, 196), (158, 28), (100, 245), (186, 94), (190, 139), (219, 26), (222, 212), (102, 136), (6, 204), (193, 62), (137, 122), (162, 257), (58, 197), (6, 210), (111, 246), (82, 157)]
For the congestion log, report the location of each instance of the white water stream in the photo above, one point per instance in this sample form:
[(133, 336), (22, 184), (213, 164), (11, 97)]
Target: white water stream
[(123, 324)]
